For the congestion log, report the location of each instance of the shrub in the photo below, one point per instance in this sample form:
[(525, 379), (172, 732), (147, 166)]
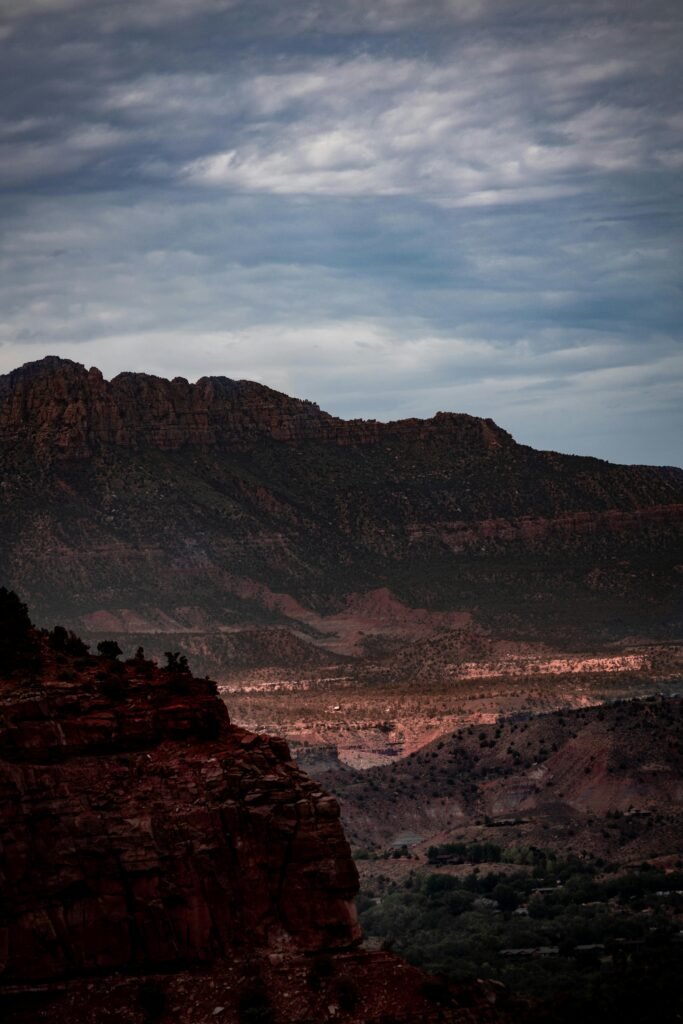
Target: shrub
[(175, 662), (109, 649)]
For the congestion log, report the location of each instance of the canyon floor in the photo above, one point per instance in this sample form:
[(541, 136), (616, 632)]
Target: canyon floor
[(366, 715)]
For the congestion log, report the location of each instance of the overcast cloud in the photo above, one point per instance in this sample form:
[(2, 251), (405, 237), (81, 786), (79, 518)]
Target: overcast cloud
[(388, 207)]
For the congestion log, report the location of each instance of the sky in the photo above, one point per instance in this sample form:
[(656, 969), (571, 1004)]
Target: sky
[(389, 207)]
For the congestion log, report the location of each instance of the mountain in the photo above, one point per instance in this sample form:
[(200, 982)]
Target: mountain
[(159, 863), (158, 509)]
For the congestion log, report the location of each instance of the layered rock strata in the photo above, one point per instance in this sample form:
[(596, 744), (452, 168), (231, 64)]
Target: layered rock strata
[(63, 411), (142, 829)]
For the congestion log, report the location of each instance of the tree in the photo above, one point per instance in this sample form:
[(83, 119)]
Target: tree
[(61, 640), (506, 897), (176, 662), (58, 638), (18, 645), (109, 649)]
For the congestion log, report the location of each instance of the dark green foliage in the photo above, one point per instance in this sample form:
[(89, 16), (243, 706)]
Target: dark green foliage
[(75, 646), (109, 649), (14, 615), (630, 976), (465, 853), (58, 638), (18, 645), (176, 662), (506, 897)]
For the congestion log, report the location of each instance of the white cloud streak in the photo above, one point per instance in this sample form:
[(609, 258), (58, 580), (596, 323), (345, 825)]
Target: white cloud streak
[(455, 135), (106, 16)]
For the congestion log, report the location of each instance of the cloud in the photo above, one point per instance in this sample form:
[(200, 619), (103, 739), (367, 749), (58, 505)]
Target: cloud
[(104, 16), (26, 159), (388, 207), (452, 134)]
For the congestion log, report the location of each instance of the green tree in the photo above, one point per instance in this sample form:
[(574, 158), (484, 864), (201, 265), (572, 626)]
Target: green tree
[(109, 649), (18, 644), (176, 662)]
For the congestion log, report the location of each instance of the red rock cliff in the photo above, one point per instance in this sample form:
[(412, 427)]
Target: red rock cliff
[(142, 829), (173, 506), (61, 410)]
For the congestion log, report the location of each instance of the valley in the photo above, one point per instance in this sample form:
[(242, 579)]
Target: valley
[(522, 826), (375, 713)]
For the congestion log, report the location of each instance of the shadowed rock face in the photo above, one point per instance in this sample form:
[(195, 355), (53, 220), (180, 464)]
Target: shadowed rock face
[(158, 863), (141, 829), (163, 507)]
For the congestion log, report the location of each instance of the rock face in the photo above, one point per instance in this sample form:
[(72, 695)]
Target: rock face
[(158, 863), (163, 507), (62, 411), (142, 829)]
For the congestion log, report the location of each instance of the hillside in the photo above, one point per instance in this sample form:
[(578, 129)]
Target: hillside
[(542, 852), (606, 779), (146, 506)]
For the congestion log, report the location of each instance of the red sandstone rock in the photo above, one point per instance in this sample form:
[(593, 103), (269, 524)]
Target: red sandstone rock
[(148, 506), (142, 828), (63, 411), (159, 863)]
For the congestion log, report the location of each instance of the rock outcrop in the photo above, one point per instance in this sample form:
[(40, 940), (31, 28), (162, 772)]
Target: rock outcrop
[(60, 410), (142, 828), (155, 857)]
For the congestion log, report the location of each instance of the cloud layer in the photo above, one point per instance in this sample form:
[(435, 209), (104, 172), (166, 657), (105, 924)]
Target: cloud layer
[(389, 208)]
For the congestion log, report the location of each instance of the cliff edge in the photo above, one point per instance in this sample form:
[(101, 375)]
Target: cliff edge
[(156, 857)]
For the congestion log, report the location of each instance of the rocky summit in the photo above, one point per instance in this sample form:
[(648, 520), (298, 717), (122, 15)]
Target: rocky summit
[(159, 863), (146, 508)]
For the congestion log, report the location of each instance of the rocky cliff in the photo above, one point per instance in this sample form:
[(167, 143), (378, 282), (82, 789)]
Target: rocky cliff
[(147, 506), (59, 410), (158, 862), (142, 829)]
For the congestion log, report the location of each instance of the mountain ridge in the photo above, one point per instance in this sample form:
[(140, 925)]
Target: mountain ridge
[(204, 409), (225, 504)]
